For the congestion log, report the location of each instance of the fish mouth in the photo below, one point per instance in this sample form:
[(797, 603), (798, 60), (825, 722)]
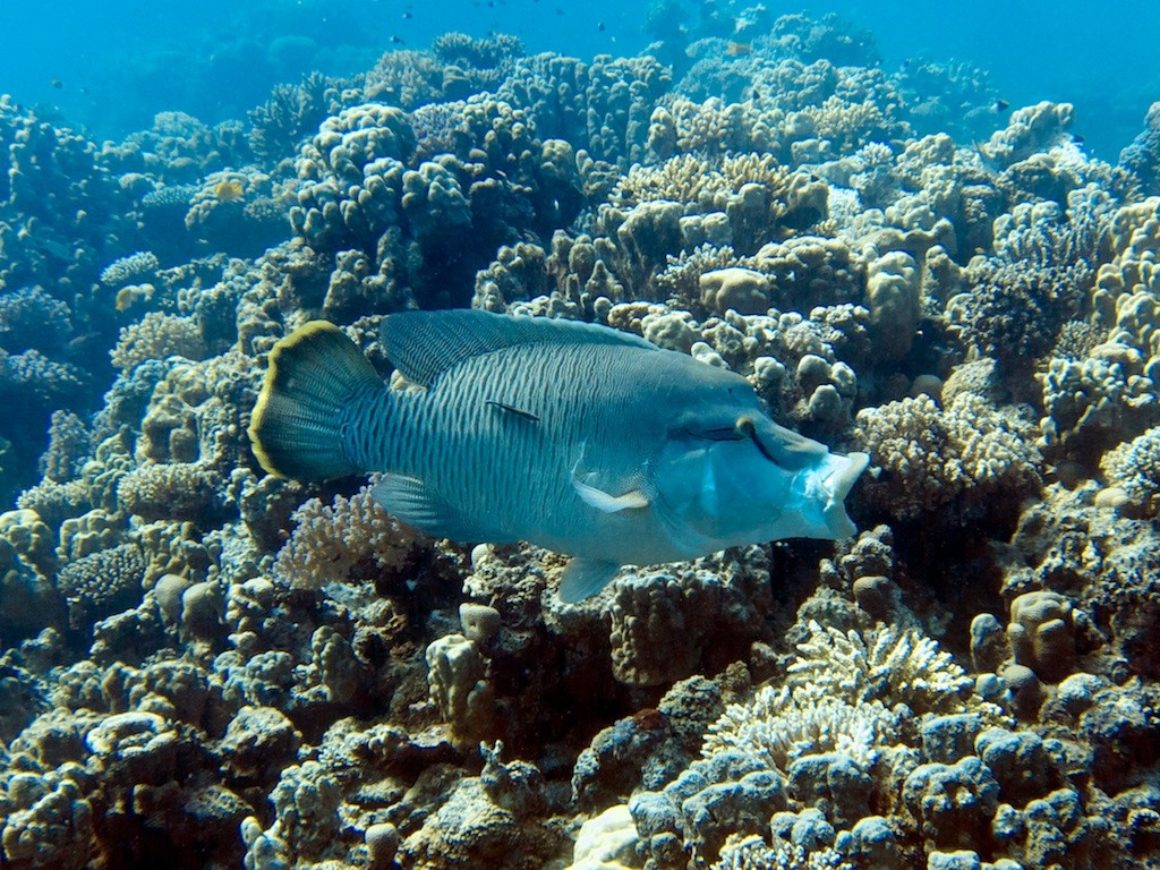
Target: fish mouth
[(843, 474)]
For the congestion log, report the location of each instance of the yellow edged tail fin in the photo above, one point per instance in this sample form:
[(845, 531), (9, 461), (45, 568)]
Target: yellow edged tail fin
[(315, 375)]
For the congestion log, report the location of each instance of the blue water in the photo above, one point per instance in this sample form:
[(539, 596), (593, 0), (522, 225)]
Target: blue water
[(111, 65)]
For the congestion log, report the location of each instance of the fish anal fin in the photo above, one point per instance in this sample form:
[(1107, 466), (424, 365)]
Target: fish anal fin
[(584, 578), (409, 499)]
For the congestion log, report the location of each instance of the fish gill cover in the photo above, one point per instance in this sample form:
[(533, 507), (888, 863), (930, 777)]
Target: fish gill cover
[(207, 664)]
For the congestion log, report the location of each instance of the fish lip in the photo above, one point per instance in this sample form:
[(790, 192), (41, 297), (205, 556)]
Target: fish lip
[(843, 474)]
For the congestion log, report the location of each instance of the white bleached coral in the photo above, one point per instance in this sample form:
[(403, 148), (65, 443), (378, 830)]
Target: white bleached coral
[(778, 726), (753, 853), (898, 665)]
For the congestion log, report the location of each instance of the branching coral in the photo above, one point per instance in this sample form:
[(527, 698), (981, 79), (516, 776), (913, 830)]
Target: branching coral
[(900, 666), (774, 214), (349, 540), (157, 336), (779, 726), (1135, 467), (967, 455)]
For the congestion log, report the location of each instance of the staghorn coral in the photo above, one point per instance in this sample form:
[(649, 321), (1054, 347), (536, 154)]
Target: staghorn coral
[(752, 853), (292, 113), (781, 726), (823, 740), (900, 665)]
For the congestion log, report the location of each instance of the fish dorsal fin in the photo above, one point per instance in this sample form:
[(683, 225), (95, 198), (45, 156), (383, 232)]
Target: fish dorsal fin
[(424, 344)]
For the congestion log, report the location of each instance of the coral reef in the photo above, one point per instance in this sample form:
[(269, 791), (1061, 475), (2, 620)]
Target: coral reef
[(204, 665)]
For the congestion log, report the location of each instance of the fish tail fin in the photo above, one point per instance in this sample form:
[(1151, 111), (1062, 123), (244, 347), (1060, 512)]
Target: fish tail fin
[(315, 373)]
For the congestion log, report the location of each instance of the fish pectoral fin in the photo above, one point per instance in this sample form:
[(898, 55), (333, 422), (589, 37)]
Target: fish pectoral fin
[(608, 503), (584, 578), (516, 412), (409, 499)]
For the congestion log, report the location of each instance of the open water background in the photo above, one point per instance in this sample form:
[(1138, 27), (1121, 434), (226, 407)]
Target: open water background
[(109, 66)]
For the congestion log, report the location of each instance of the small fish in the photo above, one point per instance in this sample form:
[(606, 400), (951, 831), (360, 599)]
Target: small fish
[(1001, 105), (738, 49), (600, 26), (56, 83), (408, 15), (578, 438), (1078, 139), (229, 190), (396, 39)]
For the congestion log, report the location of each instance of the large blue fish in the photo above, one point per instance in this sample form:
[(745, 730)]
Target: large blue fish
[(579, 438)]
